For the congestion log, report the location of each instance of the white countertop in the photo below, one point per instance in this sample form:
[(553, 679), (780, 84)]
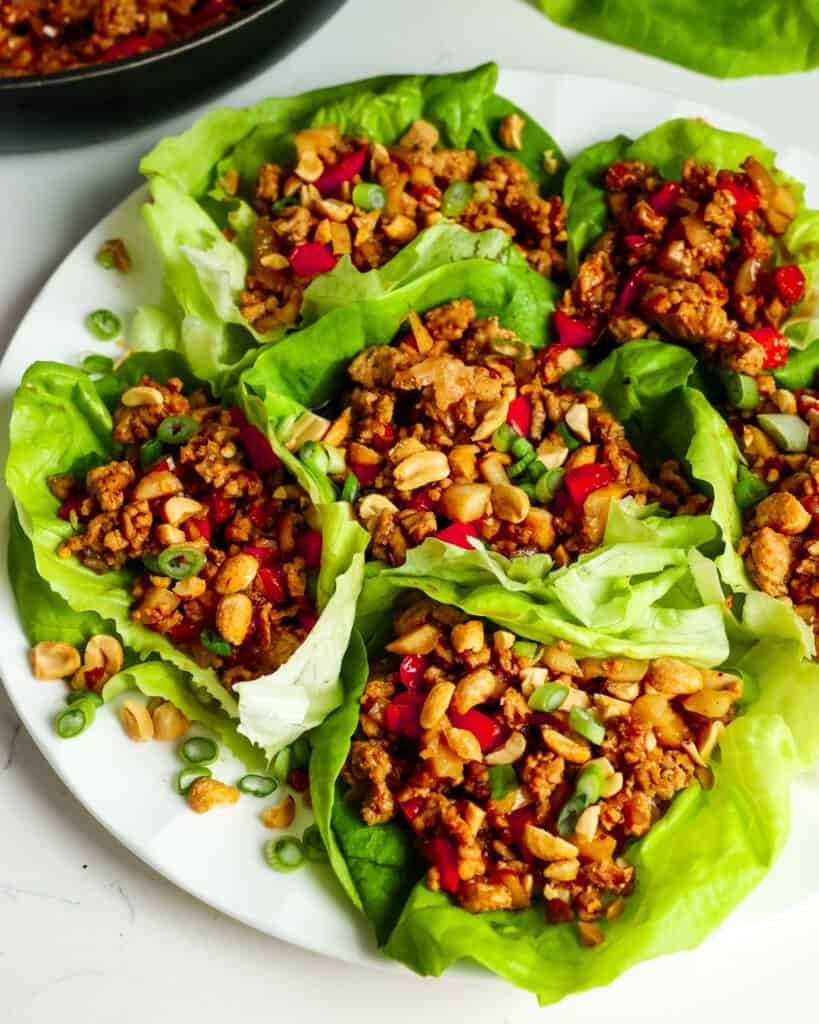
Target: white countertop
[(87, 932)]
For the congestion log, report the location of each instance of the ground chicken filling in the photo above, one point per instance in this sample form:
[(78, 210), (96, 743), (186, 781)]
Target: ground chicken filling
[(353, 197), (522, 771), (224, 541), (691, 260), (460, 431), (780, 442), (43, 36)]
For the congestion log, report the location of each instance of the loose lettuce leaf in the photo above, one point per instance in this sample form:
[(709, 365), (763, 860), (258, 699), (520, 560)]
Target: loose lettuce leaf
[(587, 212), (189, 209), (727, 39)]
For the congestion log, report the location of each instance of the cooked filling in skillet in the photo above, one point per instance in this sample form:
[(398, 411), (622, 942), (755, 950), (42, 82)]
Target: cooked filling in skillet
[(354, 197), (224, 541), (522, 771), (43, 36), (692, 261), (459, 430)]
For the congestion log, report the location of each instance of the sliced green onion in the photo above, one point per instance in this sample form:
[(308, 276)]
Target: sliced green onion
[(336, 463), (177, 429), (314, 456), (367, 196), (96, 364), (511, 348), (257, 785), (749, 489), (351, 488), (528, 489), (300, 752), (790, 433), (571, 811), (536, 470), (548, 697), (105, 258), (74, 719), (740, 390), (520, 447), (150, 452), (519, 467), (285, 201), (589, 783), (527, 649), (280, 768), (314, 848), (199, 750), (567, 436), (502, 781), (284, 854), (548, 485), (456, 198), (586, 725), (103, 324), (503, 437), (151, 563), (180, 561), (89, 695), (210, 639), (187, 776)]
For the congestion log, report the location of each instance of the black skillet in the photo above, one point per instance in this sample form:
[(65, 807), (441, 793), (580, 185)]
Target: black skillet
[(88, 104)]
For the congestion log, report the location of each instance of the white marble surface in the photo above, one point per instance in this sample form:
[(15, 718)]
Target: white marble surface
[(88, 933)]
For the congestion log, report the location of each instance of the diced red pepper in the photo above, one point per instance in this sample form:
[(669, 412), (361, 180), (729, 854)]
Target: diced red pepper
[(347, 168), (273, 585), (776, 346), (581, 482), (196, 528), (259, 451), (458, 534), (160, 466), (308, 545), (311, 258), (410, 808), (93, 677), (384, 441), (811, 504), (184, 631), (443, 853), (237, 417), (133, 45), (403, 715), (307, 620), (411, 671), (519, 416), (573, 332), (220, 509), (632, 290), (664, 200), (486, 730), (422, 501), (71, 504), (635, 241), (790, 283), (365, 472), (298, 779), (257, 514), (745, 199), (264, 556), (517, 821)]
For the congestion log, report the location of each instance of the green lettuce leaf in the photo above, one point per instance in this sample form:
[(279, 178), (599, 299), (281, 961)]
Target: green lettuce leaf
[(727, 39), (204, 272)]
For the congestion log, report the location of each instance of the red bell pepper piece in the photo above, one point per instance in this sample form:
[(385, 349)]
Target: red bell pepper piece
[(196, 528), (308, 545), (71, 504), (790, 283), (403, 714), (572, 332), (664, 200), (410, 808), (273, 586), (581, 482), (458, 534), (133, 45), (486, 730), (422, 501), (307, 620), (311, 258), (745, 199), (220, 509), (411, 671), (264, 556), (635, 241), (259, 451), (384, 441), (257, 514), (811, 504), (298, 779), (632, 290), (347, 168), (184, 632), (237, 417), (519, 416), (365, 472), (776, 346), (443, 853), (517, 822)]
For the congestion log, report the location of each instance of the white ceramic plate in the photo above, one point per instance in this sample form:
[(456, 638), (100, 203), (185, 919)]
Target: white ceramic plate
[(128, 787)]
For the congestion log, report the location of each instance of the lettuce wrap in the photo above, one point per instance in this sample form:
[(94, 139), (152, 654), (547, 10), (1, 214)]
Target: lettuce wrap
[(61, 422), (205, 272)]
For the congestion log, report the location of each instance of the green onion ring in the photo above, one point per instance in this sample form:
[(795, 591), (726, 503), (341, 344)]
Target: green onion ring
[(285, 853), (199, 750)]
